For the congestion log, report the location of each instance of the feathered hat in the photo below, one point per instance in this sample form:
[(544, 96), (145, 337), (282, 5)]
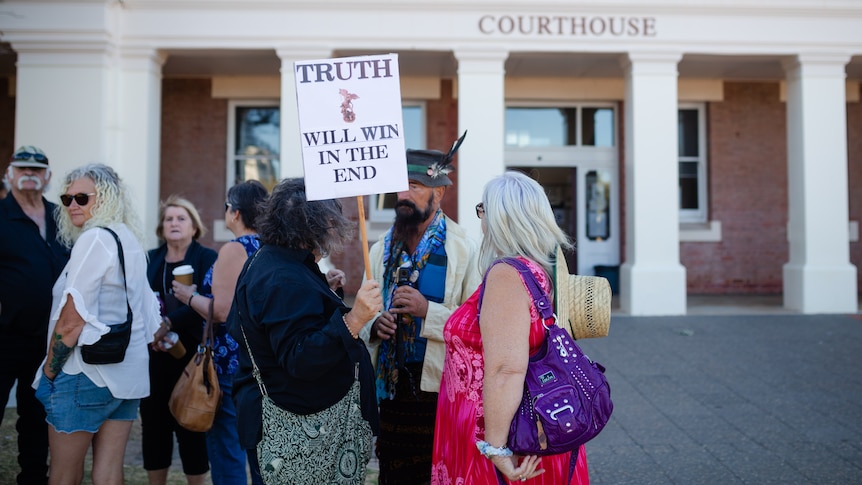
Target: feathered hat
[(431, 167)]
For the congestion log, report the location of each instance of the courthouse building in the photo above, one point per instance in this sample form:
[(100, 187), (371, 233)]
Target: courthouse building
[(688, 146)]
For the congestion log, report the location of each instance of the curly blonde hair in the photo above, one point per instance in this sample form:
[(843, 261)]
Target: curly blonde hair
[(113, 204)]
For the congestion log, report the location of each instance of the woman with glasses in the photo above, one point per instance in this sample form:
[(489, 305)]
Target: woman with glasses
[(227, 458), (179, 228), (103, 285), (487, 356)]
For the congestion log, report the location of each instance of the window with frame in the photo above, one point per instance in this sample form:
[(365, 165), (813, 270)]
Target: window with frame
[(254, 143), (582, 125), (691, 128), (382, 206)]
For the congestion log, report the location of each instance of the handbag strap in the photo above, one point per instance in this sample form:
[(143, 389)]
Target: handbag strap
[(540, 296), (255, 370), (543, 304), (123, 268), (208, 337)]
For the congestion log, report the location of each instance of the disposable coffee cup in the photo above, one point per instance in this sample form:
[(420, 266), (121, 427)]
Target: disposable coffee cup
[(184, 274), (173, 345)]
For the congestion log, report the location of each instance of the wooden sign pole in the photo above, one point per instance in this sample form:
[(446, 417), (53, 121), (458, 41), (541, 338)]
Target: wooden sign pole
[(360, 204)]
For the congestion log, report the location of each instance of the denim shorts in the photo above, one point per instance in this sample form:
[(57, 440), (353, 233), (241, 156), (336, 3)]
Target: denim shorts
[(73, 403)]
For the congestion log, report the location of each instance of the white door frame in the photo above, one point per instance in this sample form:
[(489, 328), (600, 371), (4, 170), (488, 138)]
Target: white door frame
[(590, 253), (585, 159)]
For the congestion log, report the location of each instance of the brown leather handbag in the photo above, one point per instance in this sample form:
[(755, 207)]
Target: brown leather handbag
[(196, 397)]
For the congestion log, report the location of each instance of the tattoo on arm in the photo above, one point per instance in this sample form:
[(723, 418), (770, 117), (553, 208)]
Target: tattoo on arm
[(61, 354)]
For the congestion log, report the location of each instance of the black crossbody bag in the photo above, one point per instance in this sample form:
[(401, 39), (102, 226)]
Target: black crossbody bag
[(111, 348)]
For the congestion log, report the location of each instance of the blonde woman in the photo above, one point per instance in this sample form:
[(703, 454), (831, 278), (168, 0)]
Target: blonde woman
[(486, 358), (179, 228), (95, 404)]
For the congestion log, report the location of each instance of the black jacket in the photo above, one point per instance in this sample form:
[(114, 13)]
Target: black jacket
[(185, 321), (301, 345), (29, 266)]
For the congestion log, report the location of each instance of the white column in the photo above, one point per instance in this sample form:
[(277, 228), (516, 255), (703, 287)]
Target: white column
[(291, 145), (652, 280), (481, 112), (138, 159), (63, 98), (819, 277)]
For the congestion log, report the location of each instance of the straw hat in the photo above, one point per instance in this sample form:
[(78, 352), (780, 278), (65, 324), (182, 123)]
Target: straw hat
[(583, 303)]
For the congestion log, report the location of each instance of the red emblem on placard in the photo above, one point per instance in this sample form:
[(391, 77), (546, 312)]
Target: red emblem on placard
[(347, 105)]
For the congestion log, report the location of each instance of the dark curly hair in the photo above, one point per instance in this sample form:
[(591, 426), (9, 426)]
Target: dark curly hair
[(287, 219)]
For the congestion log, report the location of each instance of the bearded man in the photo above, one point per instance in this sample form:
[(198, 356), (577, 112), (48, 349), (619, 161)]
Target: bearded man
[(31, 259), (428, 267)]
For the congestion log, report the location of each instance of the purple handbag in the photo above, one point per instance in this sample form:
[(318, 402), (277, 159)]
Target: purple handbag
[(567, 399)]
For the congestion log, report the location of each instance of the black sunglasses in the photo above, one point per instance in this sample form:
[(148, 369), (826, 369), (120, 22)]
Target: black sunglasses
[(81, 199), (480, 210), (228, 205), (23, 156)]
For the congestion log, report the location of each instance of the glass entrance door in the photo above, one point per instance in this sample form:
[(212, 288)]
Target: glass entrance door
[(571, 151)]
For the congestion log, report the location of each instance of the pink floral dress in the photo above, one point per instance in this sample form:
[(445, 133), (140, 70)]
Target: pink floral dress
[(460, 413)]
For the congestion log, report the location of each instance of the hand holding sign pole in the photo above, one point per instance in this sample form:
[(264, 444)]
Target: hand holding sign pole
[(351, 130)]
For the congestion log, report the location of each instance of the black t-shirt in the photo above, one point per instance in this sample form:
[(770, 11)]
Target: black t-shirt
[(164, 287)]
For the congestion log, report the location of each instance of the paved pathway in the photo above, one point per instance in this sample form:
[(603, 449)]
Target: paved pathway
[(727, 399)]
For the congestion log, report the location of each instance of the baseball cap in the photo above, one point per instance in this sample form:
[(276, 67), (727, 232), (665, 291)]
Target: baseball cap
[(29, 156)]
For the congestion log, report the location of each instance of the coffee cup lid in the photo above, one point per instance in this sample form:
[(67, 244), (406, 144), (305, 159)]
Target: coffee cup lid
[(184, 269)]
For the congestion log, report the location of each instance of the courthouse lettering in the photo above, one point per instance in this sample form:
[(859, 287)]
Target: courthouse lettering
[(559, 25)]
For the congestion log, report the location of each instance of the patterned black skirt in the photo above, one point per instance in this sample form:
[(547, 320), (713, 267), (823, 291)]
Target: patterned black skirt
[(406, 440)]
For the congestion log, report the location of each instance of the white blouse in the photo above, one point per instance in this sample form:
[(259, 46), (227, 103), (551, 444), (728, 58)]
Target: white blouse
[(94, 279)]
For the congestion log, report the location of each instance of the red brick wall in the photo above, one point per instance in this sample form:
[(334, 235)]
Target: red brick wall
[(7, 126), (748, 194), (442, 131), (854, 156), (194, 148), (747, 161)]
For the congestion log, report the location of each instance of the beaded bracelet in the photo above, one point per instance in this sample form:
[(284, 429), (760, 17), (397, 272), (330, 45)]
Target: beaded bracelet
[(487, 450), (354, 335)]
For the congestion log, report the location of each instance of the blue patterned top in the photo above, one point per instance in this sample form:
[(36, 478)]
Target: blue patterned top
[(225, 348)]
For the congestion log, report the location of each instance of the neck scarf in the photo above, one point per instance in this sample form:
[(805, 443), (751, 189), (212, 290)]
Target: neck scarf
[(394, 256)]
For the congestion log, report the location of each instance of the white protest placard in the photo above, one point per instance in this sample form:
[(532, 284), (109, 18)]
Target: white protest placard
[(350, 126)]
